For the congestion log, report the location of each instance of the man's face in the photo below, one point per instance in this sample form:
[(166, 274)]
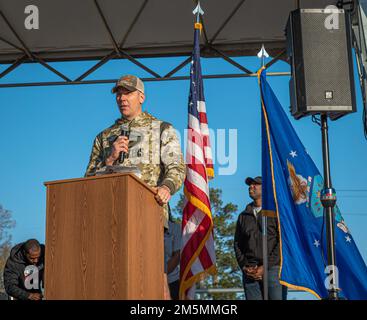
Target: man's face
[(129, 102), (254, 191), (33, 256)]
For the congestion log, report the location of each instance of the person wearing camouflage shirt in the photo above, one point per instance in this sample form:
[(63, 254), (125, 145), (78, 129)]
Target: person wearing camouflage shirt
[(152, 145)]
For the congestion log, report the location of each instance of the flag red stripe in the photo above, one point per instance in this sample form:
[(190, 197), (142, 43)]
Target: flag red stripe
[(195, 241), (203, 117), (189, 210), (205, 259), (196, 192), (198, 168)]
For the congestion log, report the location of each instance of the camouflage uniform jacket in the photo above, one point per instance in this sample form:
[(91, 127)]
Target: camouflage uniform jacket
[(153, 147)]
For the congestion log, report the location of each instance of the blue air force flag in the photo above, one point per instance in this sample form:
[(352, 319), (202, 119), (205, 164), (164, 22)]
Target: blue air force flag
[(291, 188)]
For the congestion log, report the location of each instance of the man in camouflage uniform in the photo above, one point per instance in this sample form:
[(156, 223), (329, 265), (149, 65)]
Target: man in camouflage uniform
[(152, 145)]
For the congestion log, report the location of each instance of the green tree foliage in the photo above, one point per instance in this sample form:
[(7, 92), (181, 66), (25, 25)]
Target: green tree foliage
[(6, 223), (228, 273)]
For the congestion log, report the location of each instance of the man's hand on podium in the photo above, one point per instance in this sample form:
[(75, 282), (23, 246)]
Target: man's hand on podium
[(163, 195)]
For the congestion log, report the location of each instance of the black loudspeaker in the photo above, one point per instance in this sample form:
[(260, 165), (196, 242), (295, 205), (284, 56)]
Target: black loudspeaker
[(319, 51)]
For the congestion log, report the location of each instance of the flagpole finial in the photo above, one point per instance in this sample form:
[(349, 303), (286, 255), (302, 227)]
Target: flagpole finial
[(262, 54), (198, 11)]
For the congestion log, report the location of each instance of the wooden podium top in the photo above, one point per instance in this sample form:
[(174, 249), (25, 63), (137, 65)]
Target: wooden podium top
[(105, 176)]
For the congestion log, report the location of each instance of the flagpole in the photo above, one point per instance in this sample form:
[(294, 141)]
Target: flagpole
[(265, 255), (197, 248), (328, 200), (262, 54)]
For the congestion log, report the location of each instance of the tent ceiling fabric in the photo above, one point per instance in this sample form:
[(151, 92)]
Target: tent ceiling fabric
[(74, 30)]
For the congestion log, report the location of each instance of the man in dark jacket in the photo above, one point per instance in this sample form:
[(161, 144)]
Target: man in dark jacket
[(23, 272), (249, 250)]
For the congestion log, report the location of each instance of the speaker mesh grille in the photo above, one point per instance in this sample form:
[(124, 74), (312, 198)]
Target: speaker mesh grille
[(326, 64)]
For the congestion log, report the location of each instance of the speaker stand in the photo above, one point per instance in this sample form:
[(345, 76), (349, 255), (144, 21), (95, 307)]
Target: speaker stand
[(328, 200)]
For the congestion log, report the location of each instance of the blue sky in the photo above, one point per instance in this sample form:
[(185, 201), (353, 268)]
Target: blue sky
[(47, 134)]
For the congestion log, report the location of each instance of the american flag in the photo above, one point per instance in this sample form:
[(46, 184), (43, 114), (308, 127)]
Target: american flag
[(197, 251)]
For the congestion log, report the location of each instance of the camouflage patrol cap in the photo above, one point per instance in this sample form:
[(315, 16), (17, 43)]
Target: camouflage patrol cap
[(129, 82)]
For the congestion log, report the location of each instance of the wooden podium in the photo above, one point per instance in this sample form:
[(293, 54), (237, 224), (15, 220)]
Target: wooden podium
[(104, 239)]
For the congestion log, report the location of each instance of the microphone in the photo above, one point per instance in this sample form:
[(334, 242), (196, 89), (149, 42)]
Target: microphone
[(125, 131)]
